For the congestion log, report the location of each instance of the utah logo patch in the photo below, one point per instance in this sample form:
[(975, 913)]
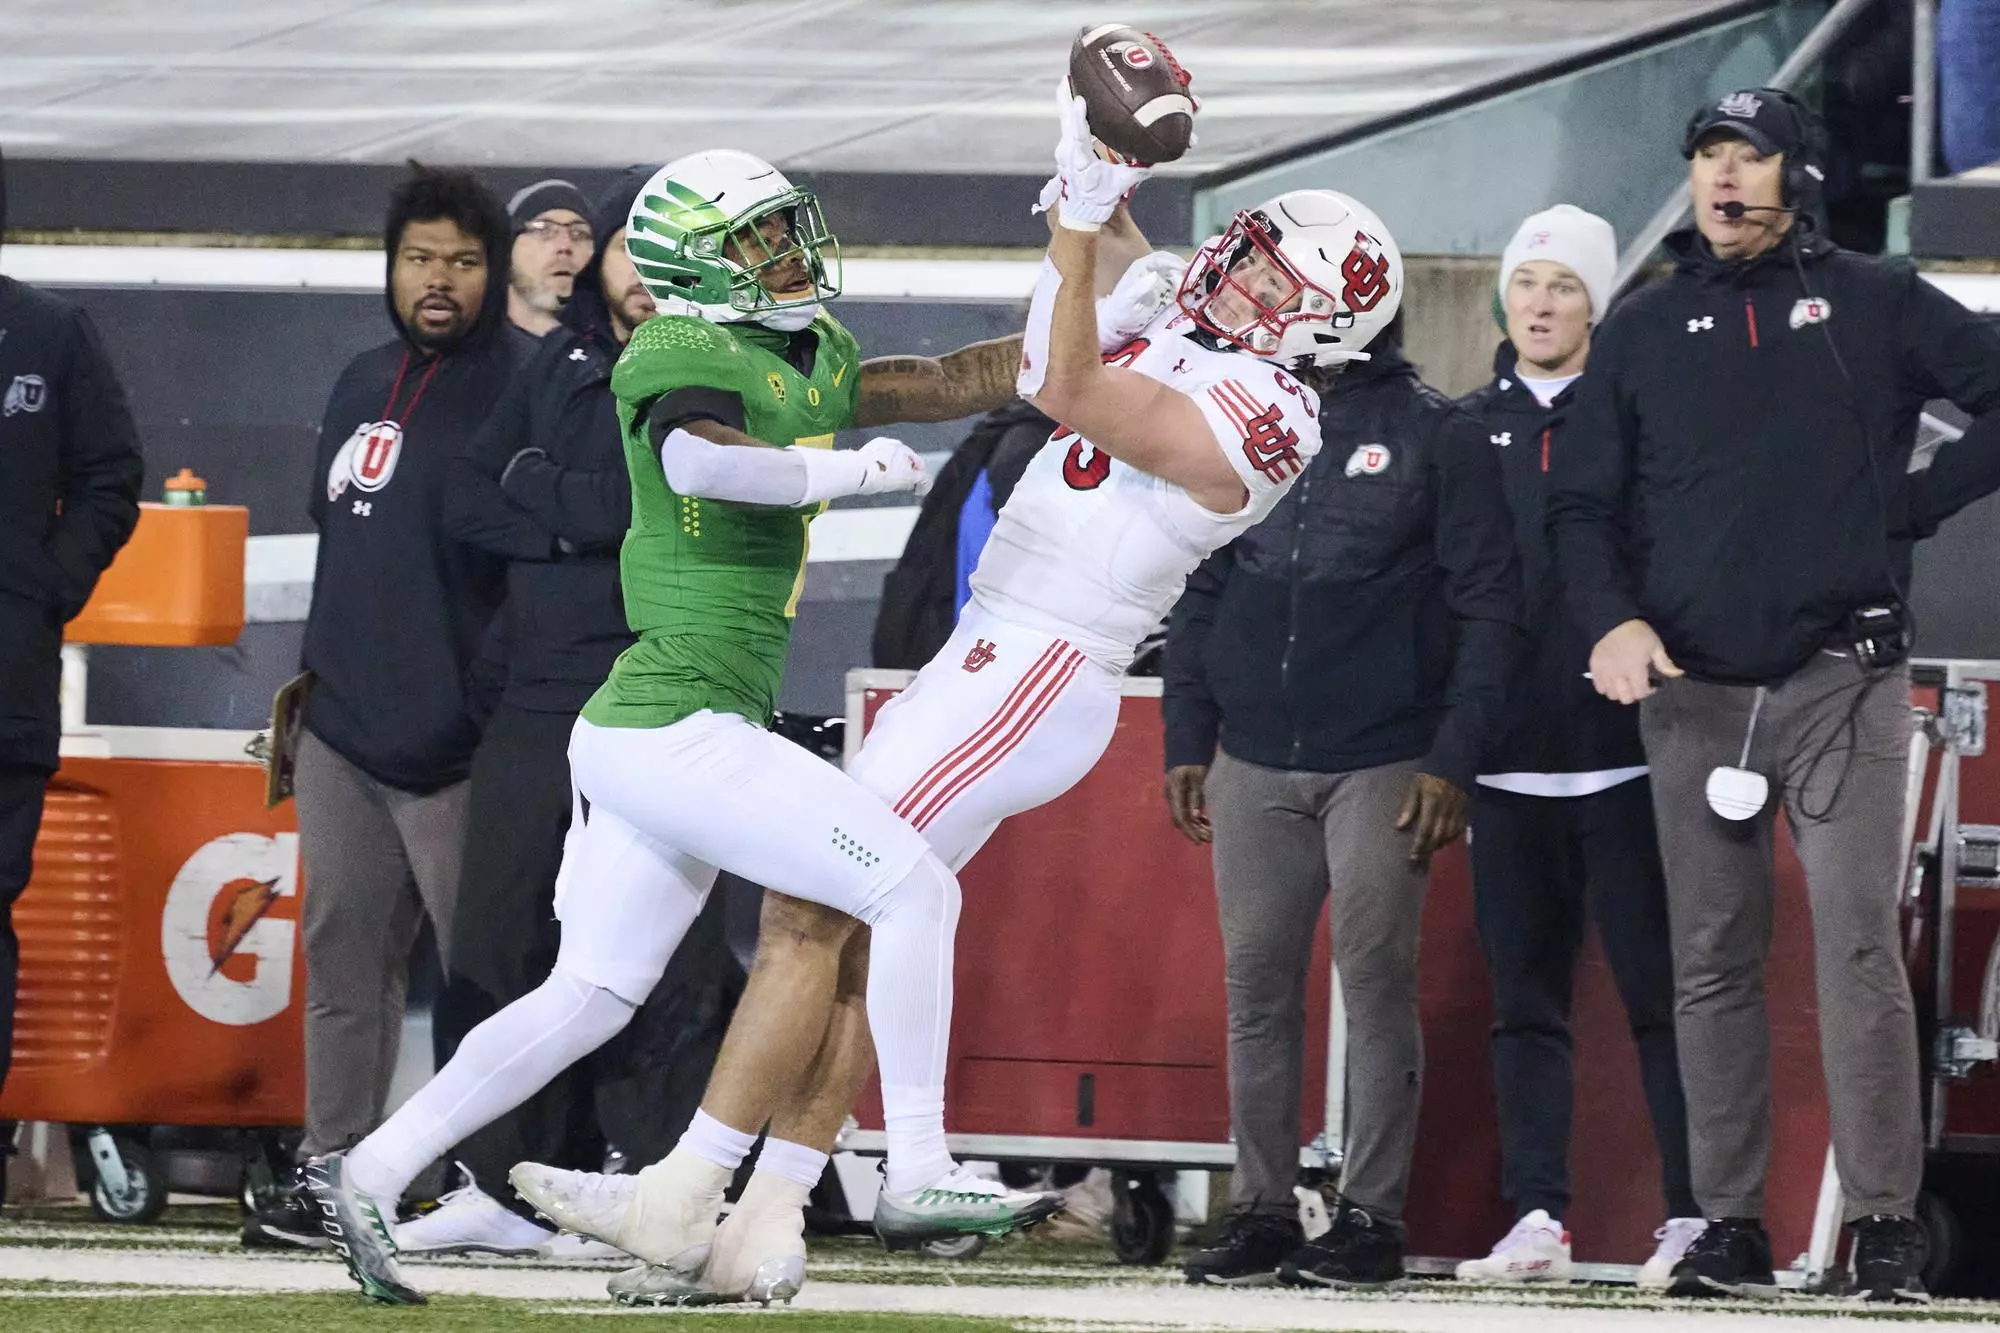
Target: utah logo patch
[(26, 394), (981, 656), (1370, 460), (367, 460), (1811, 310)]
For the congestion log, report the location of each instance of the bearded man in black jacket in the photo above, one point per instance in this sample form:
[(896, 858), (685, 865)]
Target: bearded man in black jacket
[(1731, 519), (398, 612)]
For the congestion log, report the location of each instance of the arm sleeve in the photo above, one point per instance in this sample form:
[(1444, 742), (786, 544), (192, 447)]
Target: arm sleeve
[(1588, 478), (102, 469), (1952, 353), (1192, 719), (738, 473), (1474, 536), (476, 511)]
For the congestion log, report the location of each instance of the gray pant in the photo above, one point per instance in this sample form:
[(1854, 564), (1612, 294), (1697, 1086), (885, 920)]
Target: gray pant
[(1835, 751), (1282, 839), (376, 859)]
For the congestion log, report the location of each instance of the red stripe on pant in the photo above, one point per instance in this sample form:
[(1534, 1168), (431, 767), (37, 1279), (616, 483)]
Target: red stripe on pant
[(941, 770), (1006, 746)]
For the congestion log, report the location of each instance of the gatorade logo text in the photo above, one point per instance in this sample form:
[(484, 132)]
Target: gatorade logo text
[(228, 955)]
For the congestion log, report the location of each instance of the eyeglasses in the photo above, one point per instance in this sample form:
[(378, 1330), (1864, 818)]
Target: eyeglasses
[(546, 229)]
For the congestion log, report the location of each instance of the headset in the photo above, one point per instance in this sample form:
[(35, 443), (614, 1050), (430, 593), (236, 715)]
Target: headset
[(1803, 182)]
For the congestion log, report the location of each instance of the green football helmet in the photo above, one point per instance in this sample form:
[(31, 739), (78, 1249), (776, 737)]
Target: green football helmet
[(680, 230)]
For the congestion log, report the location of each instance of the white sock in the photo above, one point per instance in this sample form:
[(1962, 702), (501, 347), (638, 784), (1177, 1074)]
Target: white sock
[(711, 1140), (909, 1015), (793, 1161), (500, 1064), (914, 1121)]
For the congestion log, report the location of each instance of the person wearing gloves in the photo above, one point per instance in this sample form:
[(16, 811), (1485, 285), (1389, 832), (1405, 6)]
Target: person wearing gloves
[(1731, 513), (1562, 815), (728, 400), (553, 244)]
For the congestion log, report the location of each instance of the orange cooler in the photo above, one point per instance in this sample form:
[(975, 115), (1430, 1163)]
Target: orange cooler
[(177, 583)]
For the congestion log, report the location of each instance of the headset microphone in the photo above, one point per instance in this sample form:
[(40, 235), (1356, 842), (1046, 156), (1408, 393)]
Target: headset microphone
[(1734, 210)]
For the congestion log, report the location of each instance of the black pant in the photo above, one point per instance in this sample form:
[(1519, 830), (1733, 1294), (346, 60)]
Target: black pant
[(1535, 862), (641, 1089), (22, 787)]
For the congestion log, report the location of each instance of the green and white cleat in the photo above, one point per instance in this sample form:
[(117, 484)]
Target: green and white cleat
[(959, 1204), (359, 1233)]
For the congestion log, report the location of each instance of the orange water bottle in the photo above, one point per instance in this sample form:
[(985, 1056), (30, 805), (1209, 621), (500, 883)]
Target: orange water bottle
[(185, 488)]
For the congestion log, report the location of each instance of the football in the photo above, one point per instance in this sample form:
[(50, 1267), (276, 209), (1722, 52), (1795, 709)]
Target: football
[(1135, 93)]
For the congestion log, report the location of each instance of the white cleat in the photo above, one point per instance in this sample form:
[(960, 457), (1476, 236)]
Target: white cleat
[(664, 1215), (959, 1204), (1536, 1250), (562, 1248), (759, 1254), (470, 1221), (1657, 1273)]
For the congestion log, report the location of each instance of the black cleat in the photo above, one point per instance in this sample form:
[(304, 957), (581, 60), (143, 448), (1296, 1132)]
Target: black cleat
[(1246, 1251), (1731, 1258), (285, 1217), (1889, 1258), (1358, 1252)]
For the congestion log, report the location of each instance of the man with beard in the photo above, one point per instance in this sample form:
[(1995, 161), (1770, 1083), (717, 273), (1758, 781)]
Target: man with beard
[(398, 611), (552, 245), (544, 487)]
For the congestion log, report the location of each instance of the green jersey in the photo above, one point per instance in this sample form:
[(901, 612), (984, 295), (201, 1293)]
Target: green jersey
[(711, 587)]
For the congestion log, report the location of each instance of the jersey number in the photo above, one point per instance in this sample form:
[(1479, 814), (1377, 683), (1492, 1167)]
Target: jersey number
[(1086, 466)]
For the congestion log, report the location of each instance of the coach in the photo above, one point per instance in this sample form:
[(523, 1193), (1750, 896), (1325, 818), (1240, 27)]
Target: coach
[(1728, 521)]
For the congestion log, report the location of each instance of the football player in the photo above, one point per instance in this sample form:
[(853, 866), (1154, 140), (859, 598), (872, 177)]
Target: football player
[(1184, 422), (729, 401)]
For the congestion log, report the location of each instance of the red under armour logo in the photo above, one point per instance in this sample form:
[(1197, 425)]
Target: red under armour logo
[(1271, 447), (982, 653)]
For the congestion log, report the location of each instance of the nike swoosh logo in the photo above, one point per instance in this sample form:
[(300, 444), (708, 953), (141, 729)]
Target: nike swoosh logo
[(838, 372)]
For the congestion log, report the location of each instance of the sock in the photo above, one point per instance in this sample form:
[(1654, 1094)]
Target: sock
[(793, 1161), (500, 1064), (909, 1016), (914, 1120), (711, 1140)]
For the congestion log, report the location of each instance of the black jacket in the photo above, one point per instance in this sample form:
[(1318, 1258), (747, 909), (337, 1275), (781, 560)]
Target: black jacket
[(1556, 722), (1727, 484), (544, 486), (919, 596), (399, 607), (70, 473), (1374, 615)]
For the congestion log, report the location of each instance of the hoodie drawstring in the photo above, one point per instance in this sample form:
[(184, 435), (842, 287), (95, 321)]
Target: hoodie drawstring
[(396, 387)]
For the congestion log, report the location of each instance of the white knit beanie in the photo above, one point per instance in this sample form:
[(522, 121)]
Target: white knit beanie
[(1584, 243)]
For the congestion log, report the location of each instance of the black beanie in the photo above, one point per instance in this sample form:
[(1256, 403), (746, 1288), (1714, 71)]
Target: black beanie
[(531, 201)]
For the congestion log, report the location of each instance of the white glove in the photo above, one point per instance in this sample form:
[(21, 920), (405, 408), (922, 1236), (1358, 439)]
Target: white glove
[(890, 465), (1141, 293), (1089, 187)]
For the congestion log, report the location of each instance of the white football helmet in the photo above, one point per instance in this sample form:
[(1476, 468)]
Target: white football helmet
[(1341, 279)]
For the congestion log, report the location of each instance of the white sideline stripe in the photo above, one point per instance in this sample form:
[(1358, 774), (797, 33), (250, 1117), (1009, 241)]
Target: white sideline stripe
[(1974, 291), (278, 570), (223, 268)]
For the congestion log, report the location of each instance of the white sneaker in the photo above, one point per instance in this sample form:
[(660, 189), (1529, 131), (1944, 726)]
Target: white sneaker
[(760, 1249), (563, 1248), (1536, 1250), (958, 1204), (470, 1221), (1675, 1237), (664, 1215)]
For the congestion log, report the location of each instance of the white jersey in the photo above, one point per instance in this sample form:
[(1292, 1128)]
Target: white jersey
[(1097, 551)]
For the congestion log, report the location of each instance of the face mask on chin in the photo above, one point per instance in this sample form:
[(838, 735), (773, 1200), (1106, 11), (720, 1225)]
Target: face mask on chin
[(790, 319)]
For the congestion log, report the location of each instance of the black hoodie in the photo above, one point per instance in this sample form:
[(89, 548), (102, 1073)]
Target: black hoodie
[(1375, 613), (558, 511), (1724, 480), (70, 473), (1556, 722), (398, 606)]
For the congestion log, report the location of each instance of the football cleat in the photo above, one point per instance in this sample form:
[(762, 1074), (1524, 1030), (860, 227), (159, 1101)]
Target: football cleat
[(470, 1221), (358, 1232), (959, 1204), (664, 1215)]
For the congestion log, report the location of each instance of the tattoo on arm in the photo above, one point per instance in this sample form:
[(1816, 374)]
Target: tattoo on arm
[(973, 379)]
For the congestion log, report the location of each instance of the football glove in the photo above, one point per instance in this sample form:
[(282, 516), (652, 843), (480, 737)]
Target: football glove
[(890, 465), (1089, 188), (1143, 291)]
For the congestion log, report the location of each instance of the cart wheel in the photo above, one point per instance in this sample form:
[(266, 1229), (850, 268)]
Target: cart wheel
[(1142, 1219), (145, 1195), (1947, 1241), (955, 1247)]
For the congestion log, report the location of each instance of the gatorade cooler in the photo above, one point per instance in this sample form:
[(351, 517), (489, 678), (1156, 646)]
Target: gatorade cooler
[(177, 583)]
